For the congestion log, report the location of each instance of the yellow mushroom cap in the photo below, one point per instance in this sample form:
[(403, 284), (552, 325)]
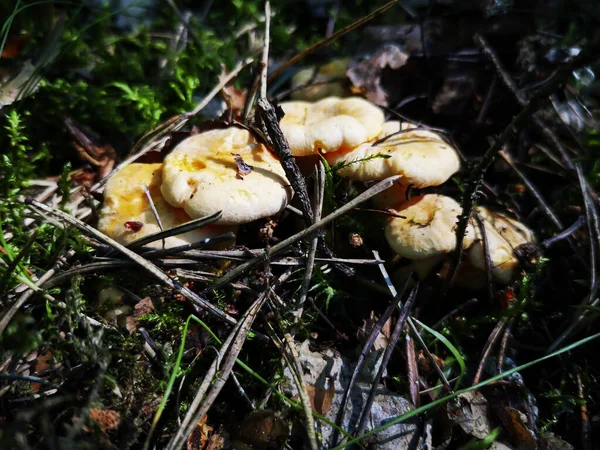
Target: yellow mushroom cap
[(209, 172), (503, 236), (127, 216), (329, 72), (330, 124), (422, 157), (391, 197), (429, 227)]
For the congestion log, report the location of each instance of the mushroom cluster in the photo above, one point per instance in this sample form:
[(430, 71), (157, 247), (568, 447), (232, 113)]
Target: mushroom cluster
[(353, 136), (224, 170)]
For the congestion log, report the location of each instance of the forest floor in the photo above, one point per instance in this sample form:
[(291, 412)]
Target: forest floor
[(306, 330)]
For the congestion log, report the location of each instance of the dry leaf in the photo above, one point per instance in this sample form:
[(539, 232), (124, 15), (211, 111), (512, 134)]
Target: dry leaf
[(143, 307), (10, 89), (366, 75), (470, 412), (131, 324), (198, 439), (91, 149), (261, 429), (40, 364), (519, 434), (234, 97), (14, 45), (382, 338), (320, 399), (107, 419)]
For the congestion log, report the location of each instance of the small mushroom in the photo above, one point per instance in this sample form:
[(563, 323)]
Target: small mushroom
[(127, 215), (330, 124), (421, 156), (503, 235), (428, 229), (325, 81), (225, 170)]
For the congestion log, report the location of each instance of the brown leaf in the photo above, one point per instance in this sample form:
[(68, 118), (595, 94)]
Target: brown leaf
[(425, 365), (366, 75), (321, 399), (470, 412), (198, 439), (382, 338), (14, 45), (143, 307), (234, 97), (90, 148), (262, 428), (40, 364), (266, 231), (518, 432), (131, 324), (107, 419)]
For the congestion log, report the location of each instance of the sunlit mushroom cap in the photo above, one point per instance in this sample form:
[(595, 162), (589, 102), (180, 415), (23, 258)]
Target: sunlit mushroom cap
[(503, 236), (127, 216), (428, 229), (391, 197), (225, 170), (422, 157), (330, 124)]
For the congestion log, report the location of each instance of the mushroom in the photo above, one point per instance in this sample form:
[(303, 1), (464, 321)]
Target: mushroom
[(322, 82), (127, 215), (422, 157), (225, 170), (330, 124), (428, 229), (503, 235)]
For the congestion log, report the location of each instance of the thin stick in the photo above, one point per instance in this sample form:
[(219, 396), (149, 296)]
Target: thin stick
[(362, 424), (8, 315), (412, 369), (413, 328), (372, 191), (288, 161), (487, 49), (453, 312), (154, 212), (312, 249), (265, 55), (329, 39), (488, 348), (310, 421), (229, 236), (583, 414), (396, 301), (175, 231), (594, 235), (475, 181), (151, 268), (503, 343), (229, 352), (534, 191)]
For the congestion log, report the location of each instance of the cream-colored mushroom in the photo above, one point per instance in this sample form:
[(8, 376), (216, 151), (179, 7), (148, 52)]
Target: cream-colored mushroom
[(428, 229), (503, 236), (326, 81), (127, 216), (421, 157), (225, 170), (330, 124)]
